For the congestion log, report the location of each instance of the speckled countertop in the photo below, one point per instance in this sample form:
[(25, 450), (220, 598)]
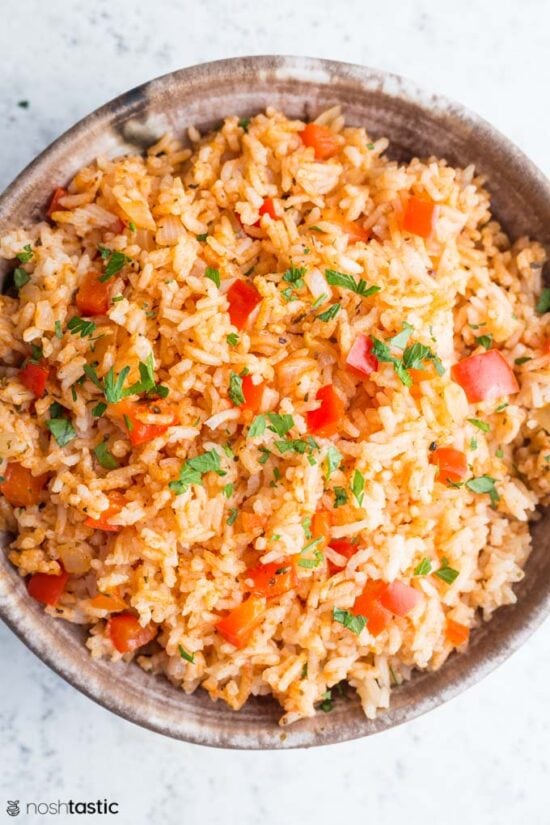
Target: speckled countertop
[(484, 757)]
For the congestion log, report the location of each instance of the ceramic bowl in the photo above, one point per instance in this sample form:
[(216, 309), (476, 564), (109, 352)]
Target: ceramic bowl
[(416, 123)]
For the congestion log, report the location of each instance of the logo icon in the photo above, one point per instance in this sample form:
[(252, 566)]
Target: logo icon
[(12, 808)]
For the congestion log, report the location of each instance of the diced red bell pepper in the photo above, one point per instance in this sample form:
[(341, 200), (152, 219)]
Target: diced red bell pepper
[(324, 420), (399, 598), (360, 359), (133, 413), (117, 501), (34, 377), (456, 633), (243, 299), (238, 626), (47, 588), (93, 296), (54, 205), (419, 216), (267, 208), (485, 376), (452, 464), (343, 548), (273, 579), (127, 634), (20, 487), (368, 605), (324, 141), (253, 394)]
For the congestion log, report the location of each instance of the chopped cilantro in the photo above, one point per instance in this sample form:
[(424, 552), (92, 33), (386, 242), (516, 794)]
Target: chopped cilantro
[(280, 424), (326, 704), (189, 657), (473, 443), (481, 425), (202, 237), (244, 123), (264, 457), (114, 261), (213, 275), (193, 470), (257, 427), (502, 406), (232, 339), (340, 497), (58, 330), (346, 281), (333, 461), (354, 623), (37, 354), (484, 484), (236, 389), (26, 254), (329, 313), (485, 341), (358, 486), (543, 304), (80, 326), (294, 275), (62, 430), (232, 517), (499, 452), (423, 568), (228, 490), (99, 409), (522, 360), (318, 301), (288, 294), (400, 340), (131, 226), (105, 457), (446, 573), (20, 277)]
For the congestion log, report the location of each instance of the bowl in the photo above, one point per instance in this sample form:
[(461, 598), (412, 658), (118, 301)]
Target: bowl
[(416, 123)]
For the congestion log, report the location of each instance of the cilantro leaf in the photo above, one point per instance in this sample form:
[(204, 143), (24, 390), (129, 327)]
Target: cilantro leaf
[(446, 573), (193, 469), (485, 341), (484, 484), (346, 281), (294, 275), (189, 657), (354, 623), (244, 123), (543, 304), (280, 424), (423, 568), (232, 339), (115, 260), (329, 313), (400, 340), (257, 427), (232, 517), (62, 430), (481, 425), (333, 461), (113, 385), (80, 326), (213, 275), (26, 254), (20, 277), (104, 456), (358, 486), (340, 497), (236, 389)]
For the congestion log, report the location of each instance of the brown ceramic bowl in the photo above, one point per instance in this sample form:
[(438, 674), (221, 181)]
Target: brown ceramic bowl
[(416, 124)]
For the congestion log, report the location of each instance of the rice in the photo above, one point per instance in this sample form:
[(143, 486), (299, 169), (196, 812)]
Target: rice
[(163, 505)]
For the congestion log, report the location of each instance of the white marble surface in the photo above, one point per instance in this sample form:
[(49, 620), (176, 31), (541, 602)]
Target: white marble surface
[(481, 759)]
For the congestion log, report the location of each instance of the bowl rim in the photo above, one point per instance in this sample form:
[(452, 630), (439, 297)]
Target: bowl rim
[(290, 67)]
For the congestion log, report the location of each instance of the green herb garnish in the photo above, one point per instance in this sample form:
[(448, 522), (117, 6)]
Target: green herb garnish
[(62, 430), (232, 339), (543, 303), (346, 281), (358, 486), (114, 261), (80, 326), (189, 657), (257, 426), (446, 573), (26, 254), (354, 623), (484, 484), (485, 341), (423, 568), (20, 277), (329, 313), (105, 457), (340, 497), (333, 461), (236, 389), (213, 275), (232, 517), (280, 424), (481, 425), (193, 470)]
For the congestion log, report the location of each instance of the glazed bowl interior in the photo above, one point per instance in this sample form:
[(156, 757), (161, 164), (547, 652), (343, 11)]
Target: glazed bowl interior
[(416, 124)]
